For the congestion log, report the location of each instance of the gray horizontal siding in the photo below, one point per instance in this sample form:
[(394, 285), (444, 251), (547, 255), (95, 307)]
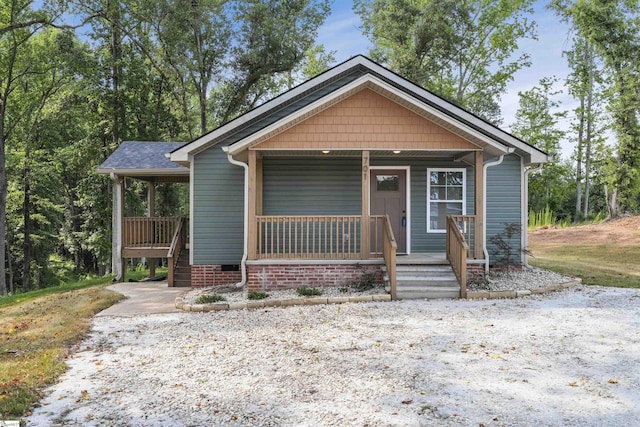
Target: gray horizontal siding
[(218, 203), (421, 241), (311, 186), (504, 201)]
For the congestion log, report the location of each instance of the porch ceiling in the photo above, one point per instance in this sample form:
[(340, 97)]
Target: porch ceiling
[(372, 154)]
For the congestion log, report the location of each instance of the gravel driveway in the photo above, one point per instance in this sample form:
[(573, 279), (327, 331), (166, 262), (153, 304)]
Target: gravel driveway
[(570, 358)]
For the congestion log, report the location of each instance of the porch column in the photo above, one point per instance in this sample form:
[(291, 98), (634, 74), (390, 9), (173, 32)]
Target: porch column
[(117, 262), (151, 209), (365, 234), (252, 226), (479, 244)]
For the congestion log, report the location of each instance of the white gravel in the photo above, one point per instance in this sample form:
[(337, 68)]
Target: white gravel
[(525, 279), (568, 358)]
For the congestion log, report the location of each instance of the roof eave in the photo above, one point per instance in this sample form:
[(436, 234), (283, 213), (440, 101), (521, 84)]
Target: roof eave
[(143, 172)]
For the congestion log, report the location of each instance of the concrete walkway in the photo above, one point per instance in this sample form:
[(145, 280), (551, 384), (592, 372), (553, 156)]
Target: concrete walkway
[(143, 298)]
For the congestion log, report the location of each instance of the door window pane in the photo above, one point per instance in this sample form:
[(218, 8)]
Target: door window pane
[(387, 183)]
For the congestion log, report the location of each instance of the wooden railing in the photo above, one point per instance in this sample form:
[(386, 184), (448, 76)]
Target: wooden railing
[(178, 242), (467, 226), (377, 230), (389, 248), (148, 232), (457, 252), (309, 237)]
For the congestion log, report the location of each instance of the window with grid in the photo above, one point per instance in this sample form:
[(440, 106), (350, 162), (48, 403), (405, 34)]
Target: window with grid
[(446, 195)]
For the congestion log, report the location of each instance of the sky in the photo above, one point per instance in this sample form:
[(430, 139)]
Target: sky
[(341, 33)]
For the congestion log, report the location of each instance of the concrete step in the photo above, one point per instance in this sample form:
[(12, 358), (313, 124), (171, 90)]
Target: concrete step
[(428, 293), (433, 281), (425, 284)]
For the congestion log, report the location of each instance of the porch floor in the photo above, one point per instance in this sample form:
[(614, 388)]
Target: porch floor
[(434, 258)]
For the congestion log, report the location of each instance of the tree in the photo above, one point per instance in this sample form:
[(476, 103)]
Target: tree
[(613, 28), (537, 120), (461, 50), (584, 83)]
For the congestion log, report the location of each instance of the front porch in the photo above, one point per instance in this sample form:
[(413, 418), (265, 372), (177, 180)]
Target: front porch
[(332, 250)]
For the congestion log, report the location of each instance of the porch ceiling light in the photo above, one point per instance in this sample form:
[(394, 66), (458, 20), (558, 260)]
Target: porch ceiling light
[(397, 151), (326, 151)]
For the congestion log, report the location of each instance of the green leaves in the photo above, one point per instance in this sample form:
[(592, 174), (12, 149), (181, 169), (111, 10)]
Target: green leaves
[(459, 50)]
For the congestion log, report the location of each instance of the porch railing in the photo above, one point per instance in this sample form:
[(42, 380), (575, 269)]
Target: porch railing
[(178, 242), (389, 248), (467, 227), (309, 237), (148, 232), (458, 226)]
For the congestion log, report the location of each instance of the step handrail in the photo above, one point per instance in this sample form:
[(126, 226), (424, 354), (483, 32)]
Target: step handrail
[(177, 244), (457, 250)]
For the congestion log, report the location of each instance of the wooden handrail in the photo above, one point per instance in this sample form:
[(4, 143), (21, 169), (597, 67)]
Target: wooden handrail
[(466, 225), (457, 250), (177, 244), (389, 249)]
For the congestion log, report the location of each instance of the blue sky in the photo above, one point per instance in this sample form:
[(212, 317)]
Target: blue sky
[(341, 33)]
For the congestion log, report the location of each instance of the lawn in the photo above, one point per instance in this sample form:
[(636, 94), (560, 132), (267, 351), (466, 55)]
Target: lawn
[(606, 254), (37, 330)]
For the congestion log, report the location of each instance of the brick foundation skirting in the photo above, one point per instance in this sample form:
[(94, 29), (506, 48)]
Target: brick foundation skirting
[(290, 276), (212, 275)]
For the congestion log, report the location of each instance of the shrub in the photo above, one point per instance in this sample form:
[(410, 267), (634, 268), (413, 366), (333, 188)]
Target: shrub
[(255, 295), (308, 292), (211, 298), (366, 281)]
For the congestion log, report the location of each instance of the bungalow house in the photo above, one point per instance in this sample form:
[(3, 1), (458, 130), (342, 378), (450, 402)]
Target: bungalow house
[(356, 169)]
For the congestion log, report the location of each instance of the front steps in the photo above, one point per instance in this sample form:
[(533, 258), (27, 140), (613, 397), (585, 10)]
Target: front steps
[(182, 273), (426, 281)]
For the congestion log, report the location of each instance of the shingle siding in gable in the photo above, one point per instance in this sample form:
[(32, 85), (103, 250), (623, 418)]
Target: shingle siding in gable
[(218, 203), (504, 202)]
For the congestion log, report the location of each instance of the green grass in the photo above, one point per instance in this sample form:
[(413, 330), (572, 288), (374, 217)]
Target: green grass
[(37, 329), (209, 299), (596, 264), (308, 292), (66, 287)]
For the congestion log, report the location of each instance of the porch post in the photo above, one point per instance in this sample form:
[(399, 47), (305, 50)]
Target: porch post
[(151, 209), (252, 226), (117, 263), (365, 233), (479, 244)]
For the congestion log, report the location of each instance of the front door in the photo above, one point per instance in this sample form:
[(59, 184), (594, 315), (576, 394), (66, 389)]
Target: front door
[(389, 196)]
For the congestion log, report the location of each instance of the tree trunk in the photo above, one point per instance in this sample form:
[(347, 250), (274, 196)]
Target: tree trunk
[(3, 205), (579, 150), (588, 138), (26, 214)]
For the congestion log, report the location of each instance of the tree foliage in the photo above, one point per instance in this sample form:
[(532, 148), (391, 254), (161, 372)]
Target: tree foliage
[(77, 78), (461, 50)]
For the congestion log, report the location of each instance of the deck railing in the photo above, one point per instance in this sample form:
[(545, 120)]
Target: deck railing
[(148, 232), (389, 248), (178, 242), (377, 230), (467, 226), (458, 250), (309, 237)]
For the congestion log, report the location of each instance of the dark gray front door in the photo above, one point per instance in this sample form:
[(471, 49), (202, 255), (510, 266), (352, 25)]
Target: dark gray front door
[(389, 196)]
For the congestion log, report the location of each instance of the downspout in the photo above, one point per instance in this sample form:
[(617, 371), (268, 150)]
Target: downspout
[(243, 263), (484, 207), (525, 212)]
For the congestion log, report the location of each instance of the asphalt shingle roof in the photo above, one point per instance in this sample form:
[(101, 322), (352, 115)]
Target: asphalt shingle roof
[(142, 155)]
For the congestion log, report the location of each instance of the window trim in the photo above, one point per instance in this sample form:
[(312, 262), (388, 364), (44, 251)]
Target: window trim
[(464, 195)]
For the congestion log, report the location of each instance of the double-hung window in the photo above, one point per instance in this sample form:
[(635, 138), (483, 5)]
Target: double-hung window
[(446, 195)]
